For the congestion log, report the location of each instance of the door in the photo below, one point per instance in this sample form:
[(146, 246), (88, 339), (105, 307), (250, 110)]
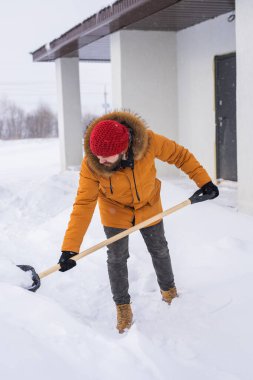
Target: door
[(225, 99)]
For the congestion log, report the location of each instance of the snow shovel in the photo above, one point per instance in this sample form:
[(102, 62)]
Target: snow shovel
[(198, 196)]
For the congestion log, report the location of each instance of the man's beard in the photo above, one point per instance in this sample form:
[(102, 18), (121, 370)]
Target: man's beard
[(115, 165)]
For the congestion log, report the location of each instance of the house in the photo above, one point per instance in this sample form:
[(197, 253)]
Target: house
[(186, 66)]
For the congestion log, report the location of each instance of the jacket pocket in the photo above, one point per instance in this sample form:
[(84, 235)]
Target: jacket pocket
[(155, 196)]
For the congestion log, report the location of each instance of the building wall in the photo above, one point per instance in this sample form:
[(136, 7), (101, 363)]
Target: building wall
[(144, 79), (244, 46), (196, 48)]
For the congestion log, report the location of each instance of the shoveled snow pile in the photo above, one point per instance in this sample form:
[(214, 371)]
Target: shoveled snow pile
[(67, 329)]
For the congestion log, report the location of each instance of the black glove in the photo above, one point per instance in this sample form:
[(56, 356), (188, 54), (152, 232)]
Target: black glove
[(210, 189), (65, 261)]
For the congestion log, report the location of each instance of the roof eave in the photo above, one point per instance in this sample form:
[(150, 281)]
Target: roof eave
[(106, 21)]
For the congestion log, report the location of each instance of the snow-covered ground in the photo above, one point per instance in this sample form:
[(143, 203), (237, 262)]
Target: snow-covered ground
[(67, 329)]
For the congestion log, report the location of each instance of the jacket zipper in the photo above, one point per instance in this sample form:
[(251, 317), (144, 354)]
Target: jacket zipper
[(111, 185), (136, 191), (135, 186)]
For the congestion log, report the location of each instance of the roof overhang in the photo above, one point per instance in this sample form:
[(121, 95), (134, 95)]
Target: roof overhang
[(90, 40)]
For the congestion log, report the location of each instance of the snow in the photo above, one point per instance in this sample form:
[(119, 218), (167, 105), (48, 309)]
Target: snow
[(67, 328)]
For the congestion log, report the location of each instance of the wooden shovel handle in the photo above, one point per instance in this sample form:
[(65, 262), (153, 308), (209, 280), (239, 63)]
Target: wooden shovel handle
[(119, 236)]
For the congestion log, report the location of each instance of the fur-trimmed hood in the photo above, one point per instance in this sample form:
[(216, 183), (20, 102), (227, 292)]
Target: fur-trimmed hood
[(139, 143)]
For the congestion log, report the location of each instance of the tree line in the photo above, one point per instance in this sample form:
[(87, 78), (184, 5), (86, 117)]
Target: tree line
[(15, 123)]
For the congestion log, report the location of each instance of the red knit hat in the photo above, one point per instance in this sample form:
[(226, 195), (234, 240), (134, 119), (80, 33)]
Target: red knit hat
[(108, 138)]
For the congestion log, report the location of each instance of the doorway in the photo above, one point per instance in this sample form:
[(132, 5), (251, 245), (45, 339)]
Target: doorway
[(225, 118)]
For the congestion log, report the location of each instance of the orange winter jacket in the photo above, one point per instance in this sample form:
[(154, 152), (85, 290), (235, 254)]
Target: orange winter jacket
[(126, 195)]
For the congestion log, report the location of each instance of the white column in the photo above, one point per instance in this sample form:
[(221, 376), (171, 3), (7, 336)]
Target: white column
[(69, 112), (144, 79), (244, 49), (116, 70)]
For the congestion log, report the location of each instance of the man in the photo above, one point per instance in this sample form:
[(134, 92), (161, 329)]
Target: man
[(119, 171)]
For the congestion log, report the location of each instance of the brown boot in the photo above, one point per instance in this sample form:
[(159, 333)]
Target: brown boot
[(168, 295), (124, 317)]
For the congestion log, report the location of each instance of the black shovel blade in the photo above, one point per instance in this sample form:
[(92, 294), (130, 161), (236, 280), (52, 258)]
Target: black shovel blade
[(35, 277)]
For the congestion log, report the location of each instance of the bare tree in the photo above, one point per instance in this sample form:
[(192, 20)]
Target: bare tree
[(12, 120), (16, 124), (42, 122)]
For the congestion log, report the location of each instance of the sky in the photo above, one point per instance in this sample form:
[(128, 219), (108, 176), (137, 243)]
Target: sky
[(24, 27)]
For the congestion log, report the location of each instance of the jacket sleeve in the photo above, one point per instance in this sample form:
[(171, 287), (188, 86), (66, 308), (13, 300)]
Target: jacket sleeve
[(83, 209), (169, 151)]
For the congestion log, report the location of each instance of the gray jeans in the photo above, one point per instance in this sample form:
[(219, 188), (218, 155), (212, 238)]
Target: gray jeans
[(117, 255)]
